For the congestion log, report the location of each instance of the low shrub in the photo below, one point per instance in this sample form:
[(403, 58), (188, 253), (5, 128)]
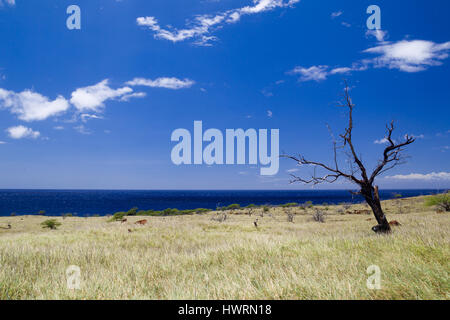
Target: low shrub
[(441, 201), (319, 216), (289, 205), (52, 224)]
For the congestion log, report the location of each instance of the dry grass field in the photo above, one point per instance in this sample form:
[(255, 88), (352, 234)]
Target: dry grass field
[(197, 257)]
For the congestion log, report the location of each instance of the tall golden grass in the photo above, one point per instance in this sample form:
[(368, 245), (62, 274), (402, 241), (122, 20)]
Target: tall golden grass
[(195, 257)]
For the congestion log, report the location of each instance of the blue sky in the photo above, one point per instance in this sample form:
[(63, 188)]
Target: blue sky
[(95, 108)]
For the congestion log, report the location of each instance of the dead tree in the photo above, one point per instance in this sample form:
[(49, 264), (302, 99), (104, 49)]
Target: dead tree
[(357, 172)]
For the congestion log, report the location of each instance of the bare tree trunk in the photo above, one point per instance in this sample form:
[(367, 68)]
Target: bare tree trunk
[(372, 198), (392, 156)]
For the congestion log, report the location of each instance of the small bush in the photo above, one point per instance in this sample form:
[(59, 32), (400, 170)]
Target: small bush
[(132, 212), (52, 224), (441, 201), (118, 216), (201, 210), (319, 216), (42, 212), (289, 205), (266, 209), (233, 206)]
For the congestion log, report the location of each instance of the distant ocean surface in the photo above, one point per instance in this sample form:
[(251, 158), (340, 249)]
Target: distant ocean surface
[(93, 202)]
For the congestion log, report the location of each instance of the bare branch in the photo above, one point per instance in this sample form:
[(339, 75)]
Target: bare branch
[(392, 156)]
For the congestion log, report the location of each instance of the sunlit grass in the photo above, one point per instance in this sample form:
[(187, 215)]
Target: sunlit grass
[(195, 257)]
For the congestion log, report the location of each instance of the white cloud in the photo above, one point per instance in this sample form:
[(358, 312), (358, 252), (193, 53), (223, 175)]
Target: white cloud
[(420, 176), (85, 117), (92, 98), (381, 141), (32, 106), (202, 25), (127, 97), (58, 128), (269, 113), (407, 56), (21, 132), (316, 73), (410, 56), (2, 142), (168, 83), (292, 170), (340, 70), (336, 14), (379, 34)]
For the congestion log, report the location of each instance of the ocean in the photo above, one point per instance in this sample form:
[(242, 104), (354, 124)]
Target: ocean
[(104, 202)]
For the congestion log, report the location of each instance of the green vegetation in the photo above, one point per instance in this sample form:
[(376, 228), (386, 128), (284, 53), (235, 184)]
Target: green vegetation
[(52, 224), (309, 204), (289, 205), (233, 206), (441, 201), (118, 216)]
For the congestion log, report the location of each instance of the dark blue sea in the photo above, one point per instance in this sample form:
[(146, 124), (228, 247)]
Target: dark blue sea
[(102, 202)]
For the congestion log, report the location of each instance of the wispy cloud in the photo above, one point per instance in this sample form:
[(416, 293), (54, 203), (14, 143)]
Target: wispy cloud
[(32, 106), (419, 176), (410, 56), (336, 14), (85, 117), (8, 2), (405, 56), (92, 98), (316, 73), (164, 82), (127, 97), (201, 26), (82, 129), (381, 141), (21, 132), (379, 34)]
